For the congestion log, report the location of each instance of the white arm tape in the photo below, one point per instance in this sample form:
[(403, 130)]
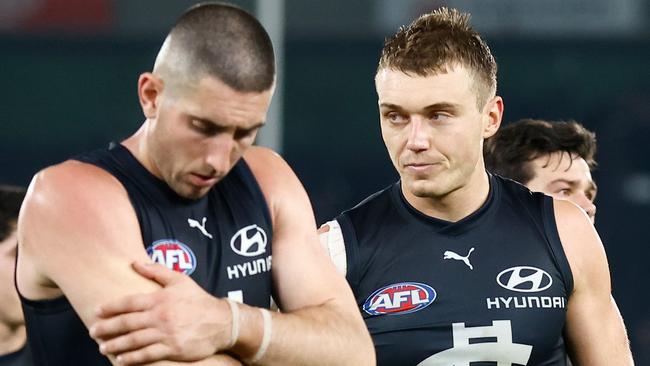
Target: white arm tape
[(333, 243)]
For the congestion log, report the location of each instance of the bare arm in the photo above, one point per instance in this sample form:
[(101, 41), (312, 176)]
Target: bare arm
[(79, 235), (321, 324), (595, 331)]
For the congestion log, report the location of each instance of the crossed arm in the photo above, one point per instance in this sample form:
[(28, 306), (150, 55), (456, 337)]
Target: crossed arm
[(594, 329), (65, 219), (78, 236)]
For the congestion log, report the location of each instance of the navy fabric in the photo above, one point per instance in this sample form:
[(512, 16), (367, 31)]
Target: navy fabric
[(490, 288), (222, 241), (21, 357)]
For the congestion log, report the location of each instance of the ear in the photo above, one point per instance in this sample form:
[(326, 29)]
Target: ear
[(492, 114), (150, 87)]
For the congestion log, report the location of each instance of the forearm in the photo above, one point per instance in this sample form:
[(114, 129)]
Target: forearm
[(216, 360), (600, 343), (320, 335)]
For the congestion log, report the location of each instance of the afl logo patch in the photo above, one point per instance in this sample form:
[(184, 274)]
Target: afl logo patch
[(400, 298), (173, 254), (524, 279), (249, 241)]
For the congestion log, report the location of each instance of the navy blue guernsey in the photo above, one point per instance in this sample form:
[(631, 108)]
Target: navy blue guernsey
[(222, 241), (490, 289), (21, 357)]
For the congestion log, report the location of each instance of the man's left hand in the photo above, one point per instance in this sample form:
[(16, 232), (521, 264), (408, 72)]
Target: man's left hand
[(179, 322)]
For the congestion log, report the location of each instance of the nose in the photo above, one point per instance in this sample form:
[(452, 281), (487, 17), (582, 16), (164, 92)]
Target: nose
[(418, 139), (219, 153)]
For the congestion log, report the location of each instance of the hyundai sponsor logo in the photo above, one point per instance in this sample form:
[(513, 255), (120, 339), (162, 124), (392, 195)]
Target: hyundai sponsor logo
[(524, 279), (249, 241)]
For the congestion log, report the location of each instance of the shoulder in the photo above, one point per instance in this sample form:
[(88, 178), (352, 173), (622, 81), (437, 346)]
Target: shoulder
[(581, 243), (70, 185), (72, 210), (274, 176), (514, 189), (378, 207), (264, 161), (69, 198), (332, 241), (284, 194)]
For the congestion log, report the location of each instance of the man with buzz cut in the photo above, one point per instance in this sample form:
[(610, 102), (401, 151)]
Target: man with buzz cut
[(229, 225), (555, 158), (452, 265)]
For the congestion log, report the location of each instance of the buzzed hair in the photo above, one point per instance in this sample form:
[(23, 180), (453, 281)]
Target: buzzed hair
[(510, 151), (222, 41), (438, 41), (11, 198)]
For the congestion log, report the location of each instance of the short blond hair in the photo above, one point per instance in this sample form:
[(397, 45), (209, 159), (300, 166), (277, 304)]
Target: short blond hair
[(437, 41)]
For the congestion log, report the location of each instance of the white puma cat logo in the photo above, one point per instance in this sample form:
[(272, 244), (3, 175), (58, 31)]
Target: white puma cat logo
[(451, 255), (201, 226)]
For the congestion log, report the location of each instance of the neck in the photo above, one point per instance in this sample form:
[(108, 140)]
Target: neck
[(12, 338), (457, 204), (137, 145)]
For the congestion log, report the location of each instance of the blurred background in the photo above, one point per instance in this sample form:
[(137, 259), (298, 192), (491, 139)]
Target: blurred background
[(69, 70)]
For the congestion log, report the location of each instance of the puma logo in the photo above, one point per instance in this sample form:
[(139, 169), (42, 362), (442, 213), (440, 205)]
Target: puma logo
[(195, 224), (451, 255)]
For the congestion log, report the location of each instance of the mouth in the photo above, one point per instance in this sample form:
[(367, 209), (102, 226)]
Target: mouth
[(420, 167), (200, 180)]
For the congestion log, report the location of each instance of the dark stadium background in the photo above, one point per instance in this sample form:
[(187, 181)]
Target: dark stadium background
[(69, 68)]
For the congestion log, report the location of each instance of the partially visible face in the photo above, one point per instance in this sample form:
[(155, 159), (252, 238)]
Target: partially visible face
[(201, 131), (433, 129), (10, 310), (564, 177)]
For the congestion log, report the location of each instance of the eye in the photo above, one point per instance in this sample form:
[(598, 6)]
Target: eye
[(395, 117), (564, 192), (591, 196), (200, 126), (437, 116), (245, 134)]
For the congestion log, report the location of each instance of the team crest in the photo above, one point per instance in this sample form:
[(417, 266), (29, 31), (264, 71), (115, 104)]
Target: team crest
[(173, 254), (400, 298)]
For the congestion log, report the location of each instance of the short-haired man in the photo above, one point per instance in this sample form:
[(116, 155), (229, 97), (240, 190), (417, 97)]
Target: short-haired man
[(13, 348), (555, 158), (451, 265), (188, 191)]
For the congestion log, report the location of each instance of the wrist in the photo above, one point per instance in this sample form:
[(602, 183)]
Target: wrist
[(234, 323), (254, 336)]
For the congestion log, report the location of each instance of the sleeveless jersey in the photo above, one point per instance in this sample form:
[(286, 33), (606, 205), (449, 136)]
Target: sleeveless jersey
[(21, 357), (222, 241), (490, 289)]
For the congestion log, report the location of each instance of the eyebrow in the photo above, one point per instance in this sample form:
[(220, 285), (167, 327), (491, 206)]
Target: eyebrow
[(433, 107), (221, 126)]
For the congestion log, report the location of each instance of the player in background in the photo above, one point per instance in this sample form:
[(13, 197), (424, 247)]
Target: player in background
[(555, 158)]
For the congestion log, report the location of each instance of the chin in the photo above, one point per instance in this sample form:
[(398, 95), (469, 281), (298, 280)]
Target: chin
[(427, 188), (195, 193), (188, 191), (421, 188)]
